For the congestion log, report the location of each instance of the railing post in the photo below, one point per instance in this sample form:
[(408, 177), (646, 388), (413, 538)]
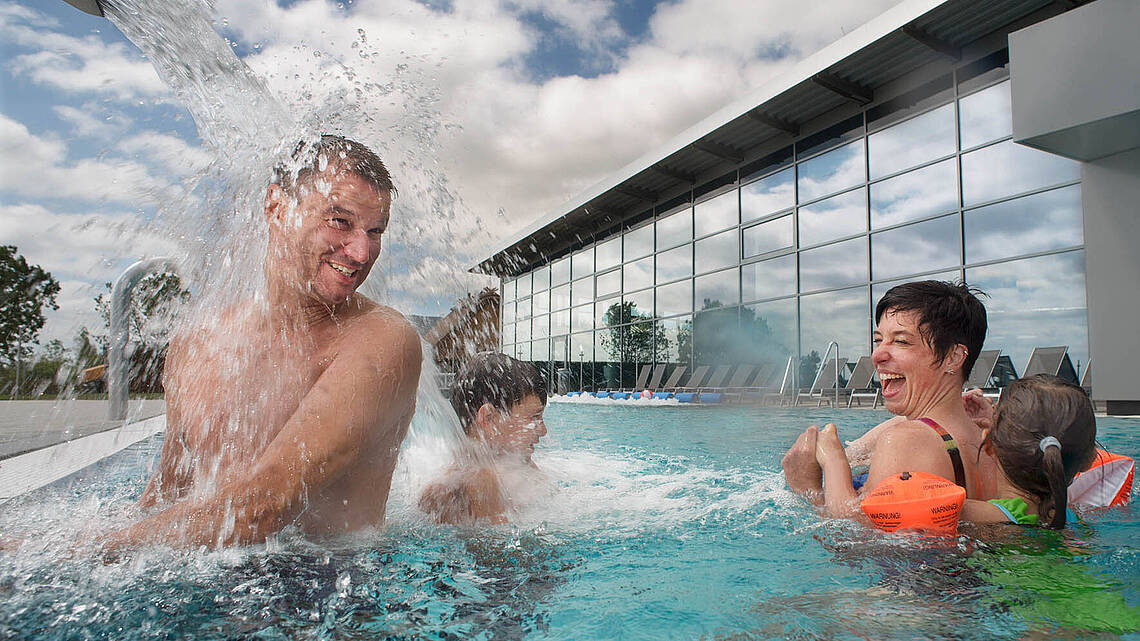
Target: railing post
[(117, 374)]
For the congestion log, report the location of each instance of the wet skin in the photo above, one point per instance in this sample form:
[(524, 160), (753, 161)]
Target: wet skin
[(290, 409)]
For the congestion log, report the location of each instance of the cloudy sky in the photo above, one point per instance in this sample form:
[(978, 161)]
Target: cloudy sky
[(490, 113)]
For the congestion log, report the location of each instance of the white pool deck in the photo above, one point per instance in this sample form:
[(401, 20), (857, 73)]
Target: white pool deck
[(44, 441)]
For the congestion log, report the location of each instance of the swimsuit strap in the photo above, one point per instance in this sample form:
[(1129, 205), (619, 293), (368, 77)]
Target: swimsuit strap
[(952, 450)]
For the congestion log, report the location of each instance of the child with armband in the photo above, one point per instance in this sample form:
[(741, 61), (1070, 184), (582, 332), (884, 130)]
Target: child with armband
[(500, 402), (1042, 434)]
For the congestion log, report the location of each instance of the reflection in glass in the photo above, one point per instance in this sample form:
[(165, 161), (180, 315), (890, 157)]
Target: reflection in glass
[(540, 351), (718, 289), (508, 333), (608, 283), (1044, 221), (637, 349), (768, 195), (560, 271), (541, 278), (508, 289), (639, 242), (1008, 168), (522, 285), (1035, 302), (986, 115), (638, 275), (922, 247), (912, 142), (915, 194), (560, 322), (641, 304), (769, 236), (608, 312), (607, 355), (835, 265), (716, 213), (835, 217), (675, 299), (832, 171), (522, 351), (717, 336), (560, 297), (717, 251), (558, 352), (769, 278), (769, 338), (522, 331), (540, 326), (540, 303), (582, 291), (675, 229), (674, 343), (522, 308), (878, 289), (582, 347), (582, 263), (508, 312), (607, 254), (582, 318), (842, 316), (675, 263)]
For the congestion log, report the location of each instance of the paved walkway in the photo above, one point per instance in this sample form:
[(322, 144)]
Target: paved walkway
[(26, 426)]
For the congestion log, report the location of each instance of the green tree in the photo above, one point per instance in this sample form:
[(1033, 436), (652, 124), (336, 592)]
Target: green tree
[(154, 302), (809, 365), (630, 338), (25, 290)]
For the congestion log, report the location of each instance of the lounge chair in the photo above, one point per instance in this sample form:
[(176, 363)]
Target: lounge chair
[(674, 378), (824, 381), (1086, 378), (738, 382), (780, 394), (717, 379), (982, 374), (658, 374), (696, 379), (642, 379), (1051, 360), (862, 383)]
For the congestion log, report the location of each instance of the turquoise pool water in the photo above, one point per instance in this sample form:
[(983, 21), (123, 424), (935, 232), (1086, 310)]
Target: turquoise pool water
[(658, 523)]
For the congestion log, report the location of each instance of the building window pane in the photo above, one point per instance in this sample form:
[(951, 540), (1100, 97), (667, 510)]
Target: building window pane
[(540, 303), (1035, 302), (508, 313), (560, 322), (675, 299), (717, 290), (639, 242), (523, 285), (834, 265), (674, 341), (769, 278), (540, 351), (582, 347), (558, 352), (770, 338), (508, 289), (608, 283), (1008, 168), (1044, 221), (835, 217), (560, 297), (674, 264), (560, 271), (638, 275), (717, 251), (768, 195), (608, 313), (717, 213), (582, 263), (915, 194), (675, 229), (541, 278), (833, 171), (522, 331), (582, 291), (986, 115), (522, 351), (582, 318), (641, 304), (842, 316), (508, 334), (637, 349), (607, 355), (769, 236), (912, 142), (540, 326), (608, 254), (523, 308), (716, 336), (922, 247)]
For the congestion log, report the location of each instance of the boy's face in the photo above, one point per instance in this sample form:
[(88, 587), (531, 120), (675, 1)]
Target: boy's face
[(516, 430)]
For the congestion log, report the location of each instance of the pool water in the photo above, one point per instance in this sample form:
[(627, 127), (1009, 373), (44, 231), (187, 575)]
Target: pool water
[(667, 522)]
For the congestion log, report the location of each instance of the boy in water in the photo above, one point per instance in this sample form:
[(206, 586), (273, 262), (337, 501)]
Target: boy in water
[(499, 401)]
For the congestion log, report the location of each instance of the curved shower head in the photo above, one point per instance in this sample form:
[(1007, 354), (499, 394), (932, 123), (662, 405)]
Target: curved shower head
[(89, 6)]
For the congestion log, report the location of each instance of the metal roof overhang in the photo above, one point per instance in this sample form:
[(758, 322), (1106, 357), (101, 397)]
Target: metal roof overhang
[(838, 81)]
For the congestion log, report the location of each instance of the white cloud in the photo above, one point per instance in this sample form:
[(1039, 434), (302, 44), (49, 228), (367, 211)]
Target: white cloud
[(85, 124), (171, 152)]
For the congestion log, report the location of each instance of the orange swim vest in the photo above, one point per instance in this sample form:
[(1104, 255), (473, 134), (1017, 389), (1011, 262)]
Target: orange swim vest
[(915, 501)]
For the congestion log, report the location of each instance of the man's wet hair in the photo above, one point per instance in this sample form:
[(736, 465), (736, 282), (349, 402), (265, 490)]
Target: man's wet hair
[(310, 158), (949, 314), (497, 379)]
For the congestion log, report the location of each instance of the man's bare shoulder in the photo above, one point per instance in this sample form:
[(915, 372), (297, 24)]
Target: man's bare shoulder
[(379, 325)]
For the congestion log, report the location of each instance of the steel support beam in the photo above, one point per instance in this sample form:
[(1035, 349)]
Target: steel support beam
[(844, 88), (724, 152), (933, 43), (674, 173), (779, 124)]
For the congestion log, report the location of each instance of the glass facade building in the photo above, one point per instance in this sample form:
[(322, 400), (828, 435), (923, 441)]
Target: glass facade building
[(792, 251)]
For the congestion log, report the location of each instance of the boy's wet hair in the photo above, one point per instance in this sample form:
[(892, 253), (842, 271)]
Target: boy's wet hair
[(1032, 409), (332, 150), (497, 379), (949, 314)]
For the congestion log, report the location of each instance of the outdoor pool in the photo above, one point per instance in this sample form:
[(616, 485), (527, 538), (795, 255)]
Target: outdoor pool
[(658, 523)]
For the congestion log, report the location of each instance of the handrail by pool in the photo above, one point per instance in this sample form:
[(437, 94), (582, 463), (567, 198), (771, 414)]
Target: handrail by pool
[(117, 374)]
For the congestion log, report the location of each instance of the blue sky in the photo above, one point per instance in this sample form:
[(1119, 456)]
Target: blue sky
[(490, 113)]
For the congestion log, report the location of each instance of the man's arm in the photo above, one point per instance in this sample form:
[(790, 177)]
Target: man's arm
[(363, 394), (166, 484)]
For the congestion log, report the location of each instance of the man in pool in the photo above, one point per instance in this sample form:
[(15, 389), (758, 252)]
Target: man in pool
[(290, 408)]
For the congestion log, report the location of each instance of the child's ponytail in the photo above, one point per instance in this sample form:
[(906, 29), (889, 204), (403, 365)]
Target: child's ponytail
[(1054, 468)]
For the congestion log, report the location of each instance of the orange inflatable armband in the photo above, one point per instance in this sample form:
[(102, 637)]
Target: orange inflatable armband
[(915, 501)]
